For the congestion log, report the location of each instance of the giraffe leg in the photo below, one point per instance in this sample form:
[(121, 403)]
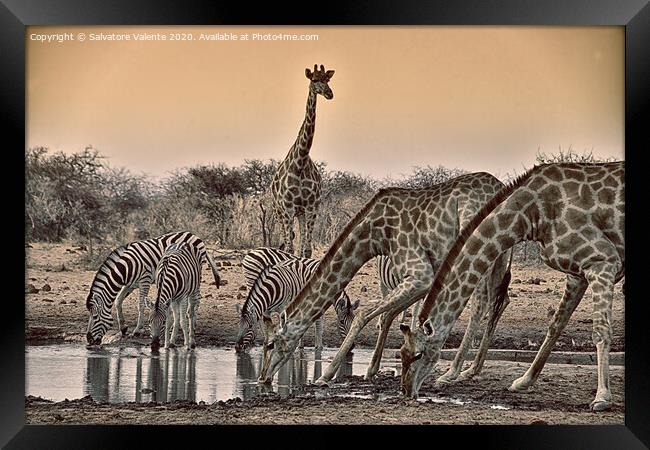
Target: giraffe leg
[(416, 311), (318, 334), (601, 280), (401, 297), (575, 289), (306, 234), (386, 319), (479, 359), (124, 292), (286, 218), (144, 291), (302, 231), (479, 303)]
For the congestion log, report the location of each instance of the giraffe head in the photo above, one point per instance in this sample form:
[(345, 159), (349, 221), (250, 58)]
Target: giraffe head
[(419, 355), (319, 80), (281, 339)]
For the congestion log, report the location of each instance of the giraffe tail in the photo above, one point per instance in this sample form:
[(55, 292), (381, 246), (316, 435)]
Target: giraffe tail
[(501, 293)]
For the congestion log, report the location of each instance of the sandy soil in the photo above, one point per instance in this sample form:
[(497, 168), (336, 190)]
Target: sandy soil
[(560, 396), (59, 314)]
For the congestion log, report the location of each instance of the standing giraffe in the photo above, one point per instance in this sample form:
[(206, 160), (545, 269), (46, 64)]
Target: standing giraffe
[(577, 214), (296, 185), (414, 228)]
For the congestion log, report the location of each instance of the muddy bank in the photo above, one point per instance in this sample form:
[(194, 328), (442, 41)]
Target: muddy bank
[(55, 305), (561, 396)]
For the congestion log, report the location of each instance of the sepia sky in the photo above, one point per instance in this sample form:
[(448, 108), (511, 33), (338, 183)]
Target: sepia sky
[(477, 98)]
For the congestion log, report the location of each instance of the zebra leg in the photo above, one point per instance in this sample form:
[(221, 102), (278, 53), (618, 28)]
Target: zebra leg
[(185, 319), (173, 310), (318, 334), (144, 291), (479, 303), (191, 317), (124, 292)]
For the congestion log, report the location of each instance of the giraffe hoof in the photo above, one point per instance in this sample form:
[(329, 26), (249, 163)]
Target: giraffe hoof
[(321, 383), (124, 329), (466, 375), (600, 405), (518, 386)]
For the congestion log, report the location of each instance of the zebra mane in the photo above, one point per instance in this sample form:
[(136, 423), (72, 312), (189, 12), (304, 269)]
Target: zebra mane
[(247, 303), (464, 234), (115, 256)]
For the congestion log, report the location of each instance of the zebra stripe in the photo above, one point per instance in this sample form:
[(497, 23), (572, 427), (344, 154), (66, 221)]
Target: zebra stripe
[(272, 290), (258, 260), (178, 277), (126, 268)]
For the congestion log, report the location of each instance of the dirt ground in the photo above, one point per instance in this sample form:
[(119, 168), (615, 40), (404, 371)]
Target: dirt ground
[(57, 313), (560, 396)]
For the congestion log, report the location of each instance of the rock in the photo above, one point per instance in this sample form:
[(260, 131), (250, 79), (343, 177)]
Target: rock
[(539, 422), (46, 288), (364, 289), (513, 295), (58, 417), (65, 288), (48, 300), (516, 281), (225, 263), (63, 302), (222, 283), (73, 302), (243, 287), (239, 296), (31, 289)]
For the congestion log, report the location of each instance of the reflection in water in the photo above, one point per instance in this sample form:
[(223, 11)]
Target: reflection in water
[(170, 376), (115, 375), (96, 381)]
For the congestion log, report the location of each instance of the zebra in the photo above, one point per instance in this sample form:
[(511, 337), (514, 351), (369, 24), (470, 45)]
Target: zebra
[(126, 268), (274, 288), (388, 281), (254, 263), (178, 277)]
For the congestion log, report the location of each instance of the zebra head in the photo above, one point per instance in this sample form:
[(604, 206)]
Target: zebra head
[(100, 317), (246, 331), (345, 312), (156, 324)]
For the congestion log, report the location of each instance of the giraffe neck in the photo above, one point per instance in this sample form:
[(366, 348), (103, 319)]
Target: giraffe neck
[(299, 154), (468, 261), (333, 274)]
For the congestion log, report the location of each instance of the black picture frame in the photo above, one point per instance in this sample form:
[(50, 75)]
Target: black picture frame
[(634, 15)]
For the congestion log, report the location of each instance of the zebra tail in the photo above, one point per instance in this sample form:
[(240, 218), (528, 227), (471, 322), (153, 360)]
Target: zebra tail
[(213, 266)]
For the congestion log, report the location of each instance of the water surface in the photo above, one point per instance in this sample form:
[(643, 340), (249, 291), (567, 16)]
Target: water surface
[(115, 375)]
